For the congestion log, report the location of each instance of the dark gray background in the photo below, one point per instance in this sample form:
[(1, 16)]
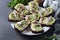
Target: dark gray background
[(6, 31)]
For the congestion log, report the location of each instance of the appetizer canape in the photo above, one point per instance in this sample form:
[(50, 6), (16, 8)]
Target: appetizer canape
[(45, 12), (20, 7), (49, 9), (22, 25), (36, 27), (15, 16), (32, 17), (47, 20), (33, 7), (25, 12)]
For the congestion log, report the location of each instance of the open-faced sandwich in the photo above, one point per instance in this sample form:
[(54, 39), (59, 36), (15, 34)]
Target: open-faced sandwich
[(47, 20), (22, 25), (15, 16), (32, 17), (45, 12), (25, 12), (20, 7), (36, 27), (33, 7)]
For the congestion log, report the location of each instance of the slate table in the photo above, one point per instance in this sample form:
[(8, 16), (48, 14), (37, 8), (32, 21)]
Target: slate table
[(6, 31)]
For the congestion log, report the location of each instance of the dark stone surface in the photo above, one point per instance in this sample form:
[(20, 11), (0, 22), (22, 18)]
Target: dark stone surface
[(6, 31)]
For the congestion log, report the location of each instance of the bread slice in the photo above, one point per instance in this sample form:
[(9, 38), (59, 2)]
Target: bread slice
[(22, 25), (47, 21), (15, 16), (45, 12), (20, 7), (33, 7), (36, 27)]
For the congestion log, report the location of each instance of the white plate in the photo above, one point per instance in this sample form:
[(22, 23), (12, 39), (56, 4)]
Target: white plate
[(28, 32)]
